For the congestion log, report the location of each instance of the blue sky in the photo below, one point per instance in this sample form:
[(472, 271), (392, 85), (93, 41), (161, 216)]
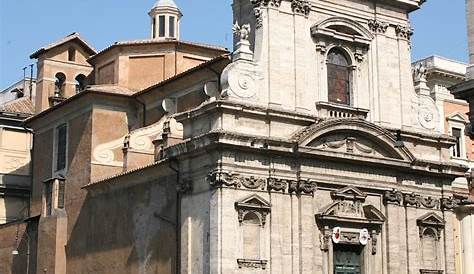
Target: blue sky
[(26, 25)]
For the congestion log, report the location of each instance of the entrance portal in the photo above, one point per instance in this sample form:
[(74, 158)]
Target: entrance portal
[(347, 259)]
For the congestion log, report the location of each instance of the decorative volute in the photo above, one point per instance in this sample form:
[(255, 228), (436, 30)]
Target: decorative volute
[(165, 20)]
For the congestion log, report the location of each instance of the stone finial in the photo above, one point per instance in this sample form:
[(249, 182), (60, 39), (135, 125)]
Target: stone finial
[(243, 31), (242, 51), (419, 78)]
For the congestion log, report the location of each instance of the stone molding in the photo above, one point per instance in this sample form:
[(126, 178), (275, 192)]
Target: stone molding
[(292, 186), (301, 7), (378, 26), (249, 263), (427, 271), (396, 197)]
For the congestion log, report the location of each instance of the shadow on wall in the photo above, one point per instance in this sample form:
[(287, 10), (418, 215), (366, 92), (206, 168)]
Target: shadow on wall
[(19, 238), (129, 230), (16, 196)]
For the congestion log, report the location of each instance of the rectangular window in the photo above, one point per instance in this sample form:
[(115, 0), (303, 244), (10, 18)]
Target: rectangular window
[(48, 198), (71, 55), (457, 133), (171, 26), (161, 22), (61, 147), (154, 27)]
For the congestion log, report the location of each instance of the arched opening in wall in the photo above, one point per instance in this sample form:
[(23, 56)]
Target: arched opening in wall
[(339, 73), (59, 82), (251, 225), (429, 240), (80, 82), (71, 54)]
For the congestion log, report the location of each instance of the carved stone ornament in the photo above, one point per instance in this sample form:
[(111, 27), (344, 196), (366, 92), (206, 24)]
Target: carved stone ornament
[(428, 202), (349, 193), (301, 7), (411, 199), (302, 187), (253, 182), (223, 178), (393, 197), (239, 79), (448, 203), (277, 184), (258, 5), (431, 221), (378, 26), (254, 204), (249, 263), (404, 32), (374, 241)]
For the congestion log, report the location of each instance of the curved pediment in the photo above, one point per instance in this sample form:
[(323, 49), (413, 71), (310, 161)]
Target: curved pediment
[(342, 26), (352, 136)]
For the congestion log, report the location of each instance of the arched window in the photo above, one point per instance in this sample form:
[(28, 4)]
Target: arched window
[(80, 82), (251, 235), (339, 77), (60, 80)]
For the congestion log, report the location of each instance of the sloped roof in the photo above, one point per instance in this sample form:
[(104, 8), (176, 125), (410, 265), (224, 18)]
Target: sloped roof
[(156, 42), (70, 37), (22, 105), (165, 3)]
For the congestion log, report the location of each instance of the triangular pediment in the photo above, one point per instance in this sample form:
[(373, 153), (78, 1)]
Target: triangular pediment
[(458, 117), (253, 201), (431, 220), (349, 193)]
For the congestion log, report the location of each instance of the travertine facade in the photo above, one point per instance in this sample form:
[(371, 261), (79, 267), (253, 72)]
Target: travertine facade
[(308, 150)]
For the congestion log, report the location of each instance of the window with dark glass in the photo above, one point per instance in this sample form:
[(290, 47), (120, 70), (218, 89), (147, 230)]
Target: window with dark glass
[(59, 82), (48, 198), (339, 75), (71, 54), (347, 259), (457, 133), (153, 26), (171, 26), (61, 147), (80, 82), (161, 23)]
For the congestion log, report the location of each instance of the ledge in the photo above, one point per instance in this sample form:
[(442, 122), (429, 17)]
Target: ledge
[(251, 263), (334, 110)]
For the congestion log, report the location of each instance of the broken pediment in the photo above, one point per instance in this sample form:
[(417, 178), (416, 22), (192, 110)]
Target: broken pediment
[(351, 212)]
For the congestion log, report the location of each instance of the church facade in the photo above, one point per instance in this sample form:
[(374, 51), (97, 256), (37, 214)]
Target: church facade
[(307, 150)]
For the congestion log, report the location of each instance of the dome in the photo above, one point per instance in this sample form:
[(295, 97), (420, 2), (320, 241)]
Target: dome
[(165, 3)]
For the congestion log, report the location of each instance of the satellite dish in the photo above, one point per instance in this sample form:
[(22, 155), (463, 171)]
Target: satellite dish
[(169, 105), (211, 89)]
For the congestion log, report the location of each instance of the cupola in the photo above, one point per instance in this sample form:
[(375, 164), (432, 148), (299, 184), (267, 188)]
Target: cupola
[(165, 18)]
